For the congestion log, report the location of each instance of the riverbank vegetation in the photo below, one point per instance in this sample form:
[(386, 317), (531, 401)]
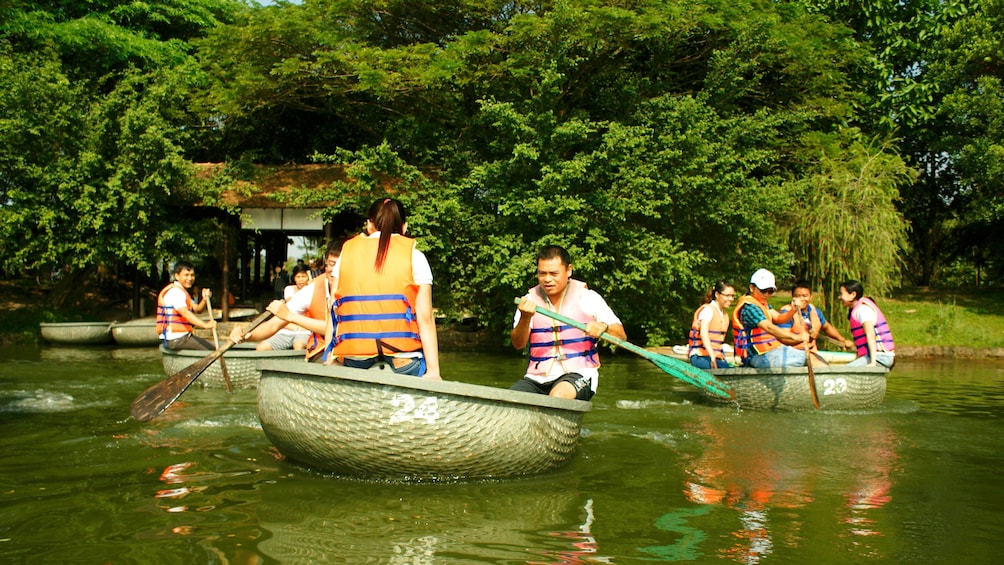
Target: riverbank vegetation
[(666, 144)]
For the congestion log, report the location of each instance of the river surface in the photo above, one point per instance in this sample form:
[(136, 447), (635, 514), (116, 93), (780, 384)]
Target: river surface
[(658, 477)]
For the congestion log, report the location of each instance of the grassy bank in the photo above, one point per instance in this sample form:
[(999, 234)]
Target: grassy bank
[(937, 317)]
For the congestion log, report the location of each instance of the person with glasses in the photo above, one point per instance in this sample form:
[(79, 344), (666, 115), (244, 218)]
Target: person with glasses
[(709, 327), (759, 341), (813, 320), (309, 308)]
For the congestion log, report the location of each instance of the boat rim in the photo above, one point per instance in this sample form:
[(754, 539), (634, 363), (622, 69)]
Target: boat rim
[(75, 324), (827, 370), (457, 388)]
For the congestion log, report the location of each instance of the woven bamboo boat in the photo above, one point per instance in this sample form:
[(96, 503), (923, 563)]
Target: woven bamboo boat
[(242, 364), (838, 387), (681, 352), (76, 333), (142, 331), (379, 425)]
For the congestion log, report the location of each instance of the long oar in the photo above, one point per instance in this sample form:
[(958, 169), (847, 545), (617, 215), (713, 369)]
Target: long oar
[(157, 398), (812, 379), (216, 342), (674, 367), (808, 359)]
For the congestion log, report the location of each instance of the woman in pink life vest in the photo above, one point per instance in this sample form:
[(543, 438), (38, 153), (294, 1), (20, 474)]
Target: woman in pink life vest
[(869, 329)]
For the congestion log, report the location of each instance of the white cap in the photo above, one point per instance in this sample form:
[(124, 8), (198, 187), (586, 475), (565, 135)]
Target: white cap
[(763, 279)]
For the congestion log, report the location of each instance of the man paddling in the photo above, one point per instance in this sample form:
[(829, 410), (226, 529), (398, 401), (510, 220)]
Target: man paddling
[(759, 340), (813, 320), (176, 313), (564, 361)]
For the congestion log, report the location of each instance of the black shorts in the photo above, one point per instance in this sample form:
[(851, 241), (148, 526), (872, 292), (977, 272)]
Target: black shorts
[(581, 384)]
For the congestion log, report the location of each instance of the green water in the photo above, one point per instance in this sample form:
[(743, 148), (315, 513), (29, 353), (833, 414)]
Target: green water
[(658, 476)]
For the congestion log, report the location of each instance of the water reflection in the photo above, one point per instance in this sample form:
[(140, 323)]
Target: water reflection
[(414, 524), (583, 547), (759, 466), (656, 478)]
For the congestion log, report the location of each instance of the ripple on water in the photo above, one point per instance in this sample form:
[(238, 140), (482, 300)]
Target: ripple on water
[(648, 404), (40, 401)]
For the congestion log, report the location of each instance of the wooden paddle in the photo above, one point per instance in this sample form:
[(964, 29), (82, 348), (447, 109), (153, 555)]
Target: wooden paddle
[(157, 398), (216, 342), (808, 359), (673, 367)]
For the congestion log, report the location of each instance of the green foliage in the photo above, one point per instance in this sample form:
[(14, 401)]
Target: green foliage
[(845, 224), (95, 105)]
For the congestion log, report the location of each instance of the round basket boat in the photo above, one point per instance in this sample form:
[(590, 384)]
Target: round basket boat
[(142, 331), (376, 424), (838, 387), (77, 333), (681, 352), (242, 364)]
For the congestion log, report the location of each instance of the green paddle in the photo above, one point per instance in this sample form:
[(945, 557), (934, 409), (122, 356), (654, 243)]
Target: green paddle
[(674, 367)]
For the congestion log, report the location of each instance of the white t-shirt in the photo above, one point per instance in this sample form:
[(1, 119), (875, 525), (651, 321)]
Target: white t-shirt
[(865, 313), (288, 293), (706, 314), (299, 302), (593, 305), (176, 298)]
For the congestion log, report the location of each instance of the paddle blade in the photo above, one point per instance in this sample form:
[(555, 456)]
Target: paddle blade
[(158, 397), (812, 379), (690, 374)]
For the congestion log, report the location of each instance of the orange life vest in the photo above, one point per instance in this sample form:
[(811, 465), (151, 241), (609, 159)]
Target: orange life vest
[(320, 306), (717, 329), (756, 337), (803, 327), (373, 306), (168, 318)]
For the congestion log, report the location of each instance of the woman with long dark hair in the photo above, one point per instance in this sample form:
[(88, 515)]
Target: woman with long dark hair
[(709, 327), (383, 298)]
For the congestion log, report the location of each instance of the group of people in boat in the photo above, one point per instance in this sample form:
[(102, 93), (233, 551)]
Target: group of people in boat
[(765, 337), (373, 305)]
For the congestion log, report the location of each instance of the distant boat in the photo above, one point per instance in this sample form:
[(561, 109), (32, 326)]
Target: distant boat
[(376, 424), (141, 331), (76, 333), (236, 313), (838, 387), (242, 364)]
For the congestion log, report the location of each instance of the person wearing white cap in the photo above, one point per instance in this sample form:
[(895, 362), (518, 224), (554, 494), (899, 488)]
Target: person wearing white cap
[(759, 341)]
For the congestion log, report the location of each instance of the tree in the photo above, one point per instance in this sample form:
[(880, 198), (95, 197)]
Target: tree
[(94, 100), (651, 139), (845, 223)]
